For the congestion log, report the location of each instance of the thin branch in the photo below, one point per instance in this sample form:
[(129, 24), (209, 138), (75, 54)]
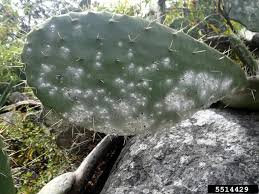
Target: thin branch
[(225, 15)]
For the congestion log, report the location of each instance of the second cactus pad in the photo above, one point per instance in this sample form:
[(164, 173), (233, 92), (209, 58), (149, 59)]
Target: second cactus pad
[(124, 75), (243, 11)]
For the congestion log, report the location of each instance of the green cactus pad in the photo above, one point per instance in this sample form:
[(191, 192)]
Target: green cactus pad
[(249, 63), (245, 99), (124, 75), (245, 12), (6, 181)]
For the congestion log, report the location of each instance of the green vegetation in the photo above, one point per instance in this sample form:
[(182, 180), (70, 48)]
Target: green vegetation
[(35, 158)]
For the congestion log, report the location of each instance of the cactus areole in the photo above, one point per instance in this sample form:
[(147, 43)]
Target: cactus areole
[(124, 75)]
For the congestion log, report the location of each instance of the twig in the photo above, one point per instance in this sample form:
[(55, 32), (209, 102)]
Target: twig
[(225, 15)]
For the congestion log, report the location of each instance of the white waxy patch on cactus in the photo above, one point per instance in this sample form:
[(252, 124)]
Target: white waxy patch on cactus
[(131, 86), (131, 67), (98, 56), (225, 84), (46, 68), (106, 99), (43, 83), (152, 68), (139, 99), (72, 93), (140, 70), (123, 91), (158, 106), (130, 54), (75, 72), (168, 82), (28, 50), (207, 81), (188, 78), (124, 109), (64, 52), (119, 82), (176, 100), (52, 28), (120, 44), (79, 113), (88, 93), (147, 68), (88, 76), (100, 91), (143, 84), (166, 63), (77, 30), (53, 90), (203, 94), (102, 113), (98, 65), (139, 124)]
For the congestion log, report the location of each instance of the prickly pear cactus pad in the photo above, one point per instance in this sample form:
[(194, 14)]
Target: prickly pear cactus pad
[(124, 75), (6, 181), (245, 12), (246, 99)]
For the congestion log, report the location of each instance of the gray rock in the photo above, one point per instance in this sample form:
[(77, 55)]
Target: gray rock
[(16, 97), (212, 147)]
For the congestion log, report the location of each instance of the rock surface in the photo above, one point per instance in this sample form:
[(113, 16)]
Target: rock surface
[(15, 97), (212, 147)]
